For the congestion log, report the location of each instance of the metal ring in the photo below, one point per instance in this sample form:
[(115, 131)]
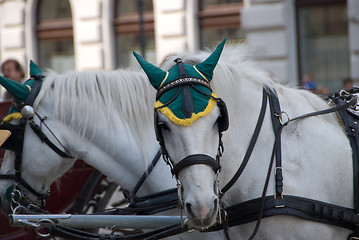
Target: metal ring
[(44, 221), (13, 195), (17, 208), (281, 118)]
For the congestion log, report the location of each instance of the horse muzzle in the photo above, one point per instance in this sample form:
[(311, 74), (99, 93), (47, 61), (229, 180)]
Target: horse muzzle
[(202, 216), (202, 202)]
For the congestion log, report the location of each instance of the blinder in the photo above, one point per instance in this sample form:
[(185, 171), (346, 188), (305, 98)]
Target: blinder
[(223, 119), (14, 142)]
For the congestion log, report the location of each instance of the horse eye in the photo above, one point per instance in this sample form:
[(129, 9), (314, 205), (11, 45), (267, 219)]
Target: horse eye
[(163, 126)]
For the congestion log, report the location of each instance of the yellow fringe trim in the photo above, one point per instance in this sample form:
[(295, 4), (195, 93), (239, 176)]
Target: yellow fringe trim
[(12, 116), (188, 121)]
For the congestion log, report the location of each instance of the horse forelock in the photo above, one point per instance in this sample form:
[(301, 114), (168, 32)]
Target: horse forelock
[(93, 103)]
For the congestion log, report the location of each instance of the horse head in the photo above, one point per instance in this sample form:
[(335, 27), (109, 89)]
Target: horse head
[(189, 121), (23, 177)]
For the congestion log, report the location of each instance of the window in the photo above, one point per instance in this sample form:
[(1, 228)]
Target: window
[(55, 35), (219, 19), (323, 46), (134, 33)]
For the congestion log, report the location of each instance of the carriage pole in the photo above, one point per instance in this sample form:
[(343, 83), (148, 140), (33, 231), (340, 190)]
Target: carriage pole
[(94, 221)]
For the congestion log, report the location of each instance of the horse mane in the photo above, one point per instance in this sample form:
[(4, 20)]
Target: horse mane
[(91, 102)]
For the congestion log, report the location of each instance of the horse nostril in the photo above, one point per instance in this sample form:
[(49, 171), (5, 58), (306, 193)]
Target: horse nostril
[(189, 209)]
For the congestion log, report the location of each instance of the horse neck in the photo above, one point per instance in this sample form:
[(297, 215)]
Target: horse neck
[(243, 98), (121, 158)]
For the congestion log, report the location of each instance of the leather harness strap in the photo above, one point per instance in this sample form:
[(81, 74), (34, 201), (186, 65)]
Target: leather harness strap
[(277, 126), (193, 160)]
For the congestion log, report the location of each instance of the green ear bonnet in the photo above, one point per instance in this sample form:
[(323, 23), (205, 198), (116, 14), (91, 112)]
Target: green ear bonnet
[(184, 92), (20, 91)]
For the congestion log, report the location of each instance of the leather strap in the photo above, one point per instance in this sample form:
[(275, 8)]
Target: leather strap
[(35, 89), (277, 126), (45, 139), (196, 159), (131, 195)]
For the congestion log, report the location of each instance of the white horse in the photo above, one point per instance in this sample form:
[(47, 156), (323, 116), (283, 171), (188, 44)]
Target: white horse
[(96, 117), (104, 118), (316, 154)]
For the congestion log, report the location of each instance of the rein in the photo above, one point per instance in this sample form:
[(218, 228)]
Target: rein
[(131, 195)]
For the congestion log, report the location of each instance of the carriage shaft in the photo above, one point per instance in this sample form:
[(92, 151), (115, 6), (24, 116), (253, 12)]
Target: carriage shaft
[(95, 221)]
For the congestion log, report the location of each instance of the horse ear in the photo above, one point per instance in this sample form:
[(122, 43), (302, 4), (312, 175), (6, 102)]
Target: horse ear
[(34, 69), (155, 74), (18, 90), (208, 65)]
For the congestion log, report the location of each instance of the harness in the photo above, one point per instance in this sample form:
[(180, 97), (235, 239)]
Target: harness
[(15, 143), (280, 204)]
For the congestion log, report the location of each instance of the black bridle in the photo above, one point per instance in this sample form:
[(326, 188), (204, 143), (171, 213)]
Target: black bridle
[(16, 140), (184, 82)]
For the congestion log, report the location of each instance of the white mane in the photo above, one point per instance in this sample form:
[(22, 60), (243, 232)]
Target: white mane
[(91, 102)]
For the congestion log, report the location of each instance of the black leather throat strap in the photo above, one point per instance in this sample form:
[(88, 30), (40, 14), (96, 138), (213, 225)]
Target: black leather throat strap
[(196, 159)]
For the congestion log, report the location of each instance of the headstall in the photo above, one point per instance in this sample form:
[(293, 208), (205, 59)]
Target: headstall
[(184, 82)]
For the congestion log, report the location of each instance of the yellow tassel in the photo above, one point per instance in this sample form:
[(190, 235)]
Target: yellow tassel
[(12, 116), (188, 121)]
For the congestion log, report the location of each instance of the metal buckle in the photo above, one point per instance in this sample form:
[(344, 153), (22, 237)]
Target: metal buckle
[(275, 171)]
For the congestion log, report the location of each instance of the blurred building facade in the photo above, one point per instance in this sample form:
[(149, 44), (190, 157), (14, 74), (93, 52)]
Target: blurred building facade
[(289, 38)]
